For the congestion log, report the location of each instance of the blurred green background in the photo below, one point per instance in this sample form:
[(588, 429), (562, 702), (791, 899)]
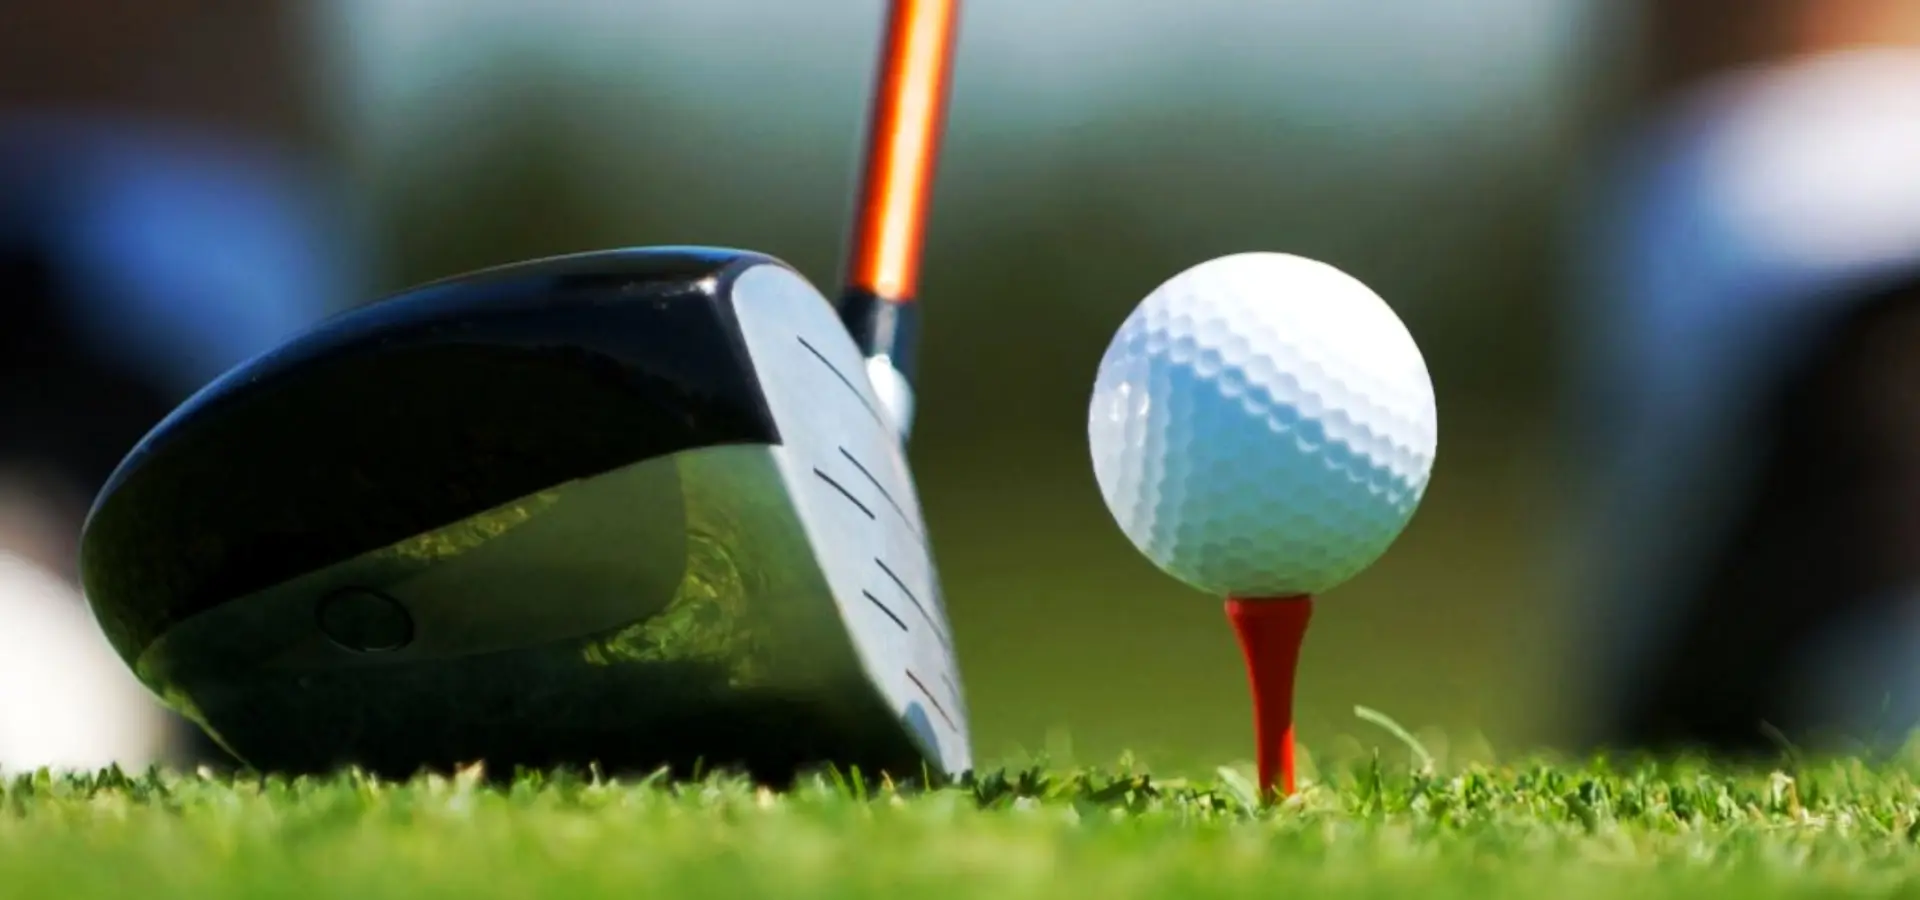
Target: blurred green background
[(1425, 146)]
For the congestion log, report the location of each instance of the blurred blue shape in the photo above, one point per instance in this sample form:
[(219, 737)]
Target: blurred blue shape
[(178, 254), (1733, 234)]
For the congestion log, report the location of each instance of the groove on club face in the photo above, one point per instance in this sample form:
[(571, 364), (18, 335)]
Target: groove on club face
[(585, 487)]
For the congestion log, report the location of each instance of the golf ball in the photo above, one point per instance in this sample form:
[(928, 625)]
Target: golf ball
[(1263, 425)]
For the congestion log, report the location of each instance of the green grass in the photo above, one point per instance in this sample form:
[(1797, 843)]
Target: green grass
[(1364, 829)]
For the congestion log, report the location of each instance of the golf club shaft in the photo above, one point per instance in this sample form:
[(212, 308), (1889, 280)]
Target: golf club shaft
[(904, 132)]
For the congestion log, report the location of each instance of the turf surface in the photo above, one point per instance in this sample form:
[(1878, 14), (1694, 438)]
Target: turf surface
[(1364, 829)]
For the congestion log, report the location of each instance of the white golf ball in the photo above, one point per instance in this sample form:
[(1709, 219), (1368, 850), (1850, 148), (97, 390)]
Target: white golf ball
[(1263, 425)]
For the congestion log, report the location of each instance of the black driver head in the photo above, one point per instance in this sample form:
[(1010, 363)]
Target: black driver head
[(635, 508)]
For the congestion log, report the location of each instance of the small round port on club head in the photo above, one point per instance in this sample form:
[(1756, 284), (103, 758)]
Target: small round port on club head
[(364, 621)]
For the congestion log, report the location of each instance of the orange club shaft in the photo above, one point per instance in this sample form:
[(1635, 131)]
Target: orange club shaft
[(905, 128), (1271, 632)]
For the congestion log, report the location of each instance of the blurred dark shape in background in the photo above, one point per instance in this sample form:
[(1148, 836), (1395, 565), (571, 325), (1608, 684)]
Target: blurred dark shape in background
[(164, 214), (1748, 415), (184, 183)]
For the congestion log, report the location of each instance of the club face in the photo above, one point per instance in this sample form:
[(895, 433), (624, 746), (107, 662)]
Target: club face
[(596, 533), (841, 459)]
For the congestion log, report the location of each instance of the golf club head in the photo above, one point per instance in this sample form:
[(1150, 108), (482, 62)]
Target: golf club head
[(633, 507)]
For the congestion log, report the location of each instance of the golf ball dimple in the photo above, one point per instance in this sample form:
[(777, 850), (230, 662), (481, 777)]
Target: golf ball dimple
[(1263, 425)]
